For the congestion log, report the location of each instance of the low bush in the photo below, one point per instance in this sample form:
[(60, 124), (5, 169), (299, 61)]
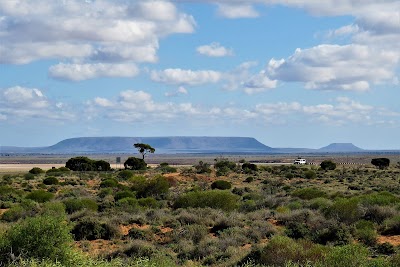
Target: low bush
[(214, 199), (365, 232), (391, 226), (40, 196), (148, 202), (125, 175), (202, 167), (124, 194), (36, 170), (41, 237), (50, 181), (29, 176), (76, 204), (91, 229), (308, 193), (165, 168), (221, 184), (109, 183)]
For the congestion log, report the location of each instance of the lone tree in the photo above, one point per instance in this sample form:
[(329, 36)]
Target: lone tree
[(144, 148), (381, 163)]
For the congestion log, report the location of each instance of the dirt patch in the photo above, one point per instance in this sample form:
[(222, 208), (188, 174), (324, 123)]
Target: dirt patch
[(2, 211), (393, 240), (15, 168), (125, 228)]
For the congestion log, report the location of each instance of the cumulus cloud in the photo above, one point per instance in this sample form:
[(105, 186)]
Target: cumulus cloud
[(186, 77), (87, 30), (234, 11), (335, 67), (21, 103), (139, 106), (180, 91), (214, 50), (79, 72)]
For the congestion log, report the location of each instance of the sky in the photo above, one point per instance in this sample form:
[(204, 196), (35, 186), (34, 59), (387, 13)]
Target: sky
[(299, 73)]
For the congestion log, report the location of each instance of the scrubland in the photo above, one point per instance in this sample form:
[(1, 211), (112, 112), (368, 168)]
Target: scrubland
[(225, 214)]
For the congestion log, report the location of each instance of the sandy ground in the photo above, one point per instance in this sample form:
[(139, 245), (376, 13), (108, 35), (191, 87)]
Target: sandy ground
[(15, 168)]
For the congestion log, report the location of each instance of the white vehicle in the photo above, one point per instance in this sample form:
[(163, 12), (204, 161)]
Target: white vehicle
[(300, 161)]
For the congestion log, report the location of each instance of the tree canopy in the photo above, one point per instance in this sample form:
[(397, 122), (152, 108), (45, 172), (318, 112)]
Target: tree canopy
[(144, 148), (381, 163)]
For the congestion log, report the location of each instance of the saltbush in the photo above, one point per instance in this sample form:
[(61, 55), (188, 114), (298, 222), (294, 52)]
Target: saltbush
[(214, 199), (308, 193), (36, 170), (125, 175), (221, 184), (50, 181), (41, 237), (40, 196), (91, 229), (76, 204)]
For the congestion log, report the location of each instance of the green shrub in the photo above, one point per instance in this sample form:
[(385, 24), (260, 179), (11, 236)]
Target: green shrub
[(345, 210), (148, 202), (224, 166), (280, 250), (365, 232), (310, 174), (308, 193), (29, 176), (381, 199), (165, 168), (332, 233), (248, 167), (249, 179), (381, 163), (221, 184), (214, 199), (202, 167), (36, 170), (125, 175), (328, 165), (50, 181), (349, 255), (40, 196), (391, 226), (124, 194), (91, 229), (128, 204), (76, 204), (7, 193), (26, 208), (41, 237), (135, 233), (157, 187), (109, 183)]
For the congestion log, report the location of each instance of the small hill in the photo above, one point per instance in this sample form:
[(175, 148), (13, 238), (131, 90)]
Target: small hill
[(161, 144), (340, 147)]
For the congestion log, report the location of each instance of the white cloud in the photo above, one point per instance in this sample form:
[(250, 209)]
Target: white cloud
[(3, 117), (21, 103), (234, 11), (259, 83), (180, 91), (79, 72), (335, 67), (139, 106), (87, 30), (214, 50), (186, 77)]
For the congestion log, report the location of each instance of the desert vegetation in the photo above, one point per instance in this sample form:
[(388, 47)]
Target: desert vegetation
[(231, 213)]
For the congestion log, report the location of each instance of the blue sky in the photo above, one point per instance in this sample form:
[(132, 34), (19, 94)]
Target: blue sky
[(298, 73)]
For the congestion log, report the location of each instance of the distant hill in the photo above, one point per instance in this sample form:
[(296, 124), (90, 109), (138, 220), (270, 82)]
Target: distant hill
[(161, 144), (340, 147)]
